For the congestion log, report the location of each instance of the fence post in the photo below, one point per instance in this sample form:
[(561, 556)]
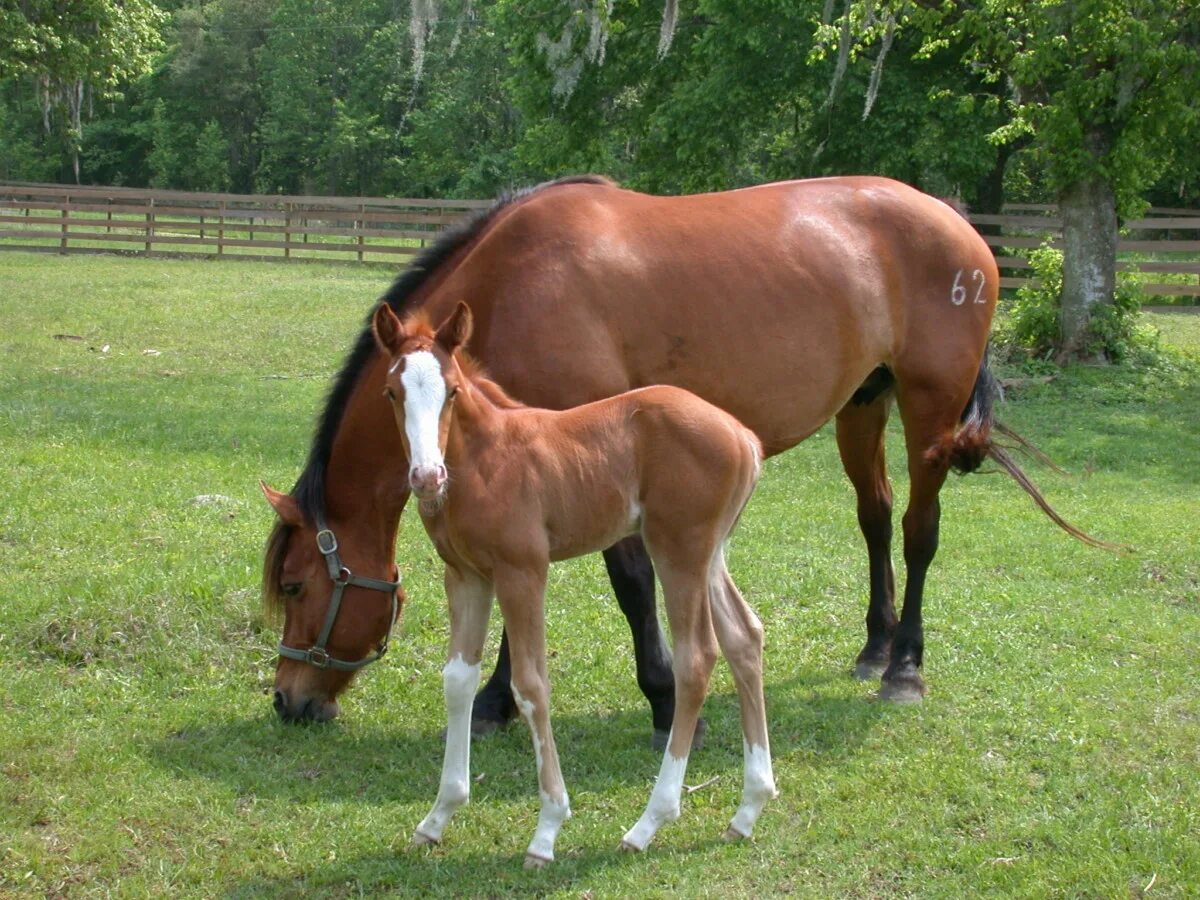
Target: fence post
[(202, 228), (287, 231), (360, 225), (221, 229), (150, 227), (66, 209)]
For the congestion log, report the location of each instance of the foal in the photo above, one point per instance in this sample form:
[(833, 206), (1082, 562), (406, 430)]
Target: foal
[(504, 490)]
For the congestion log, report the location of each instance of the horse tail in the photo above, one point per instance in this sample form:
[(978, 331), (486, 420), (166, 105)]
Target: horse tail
[(972, 443)]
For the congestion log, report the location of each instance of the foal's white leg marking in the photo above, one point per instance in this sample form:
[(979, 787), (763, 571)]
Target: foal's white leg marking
[(736, 626), (664, 802), (459, 681), (553, 813), (424, 397), (758, 786)]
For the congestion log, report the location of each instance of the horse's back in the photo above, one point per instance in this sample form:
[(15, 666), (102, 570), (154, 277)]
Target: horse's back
[(773, 302)]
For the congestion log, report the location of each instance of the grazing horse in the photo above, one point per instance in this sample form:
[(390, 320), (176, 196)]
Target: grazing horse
[(785, 305), (505, 489)]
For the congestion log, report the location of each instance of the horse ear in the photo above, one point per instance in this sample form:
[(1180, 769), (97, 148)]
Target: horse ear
[(388, 329), (285, 505), (456, 330)]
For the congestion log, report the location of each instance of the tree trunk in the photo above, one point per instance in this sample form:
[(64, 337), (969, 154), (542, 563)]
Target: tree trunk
[(1089, 214)]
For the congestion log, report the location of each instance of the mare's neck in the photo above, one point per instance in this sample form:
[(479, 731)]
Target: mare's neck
[(367, 475)]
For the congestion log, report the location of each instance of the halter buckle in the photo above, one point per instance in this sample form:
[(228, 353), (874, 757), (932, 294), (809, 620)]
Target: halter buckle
[(326, 542), (317, 656)]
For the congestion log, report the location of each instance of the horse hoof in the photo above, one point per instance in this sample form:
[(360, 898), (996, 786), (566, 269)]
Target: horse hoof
[(422, 840), (905, 690), (732, 834), (535, 862), (627, 847), (870, 669), (658, 740)]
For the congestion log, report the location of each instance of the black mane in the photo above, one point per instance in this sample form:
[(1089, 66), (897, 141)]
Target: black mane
[(309, 490)]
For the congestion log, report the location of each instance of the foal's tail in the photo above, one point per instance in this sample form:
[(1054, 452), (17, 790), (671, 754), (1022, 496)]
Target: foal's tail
[(972, 443)]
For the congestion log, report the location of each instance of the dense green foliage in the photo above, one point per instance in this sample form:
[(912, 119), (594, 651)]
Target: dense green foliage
[(323, 96), (1056, 754)]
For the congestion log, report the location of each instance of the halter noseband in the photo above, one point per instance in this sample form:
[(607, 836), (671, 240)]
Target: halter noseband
[(317, 655)]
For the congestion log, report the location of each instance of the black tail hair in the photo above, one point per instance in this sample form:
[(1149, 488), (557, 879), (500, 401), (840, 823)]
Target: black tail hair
[(972, 443)]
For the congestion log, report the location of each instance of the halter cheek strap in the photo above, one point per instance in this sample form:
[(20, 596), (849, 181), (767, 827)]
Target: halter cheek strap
[(317, 655)]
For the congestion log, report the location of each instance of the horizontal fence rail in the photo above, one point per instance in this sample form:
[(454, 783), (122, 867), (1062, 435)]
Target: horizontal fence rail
[(1161, 250), (83, 219)]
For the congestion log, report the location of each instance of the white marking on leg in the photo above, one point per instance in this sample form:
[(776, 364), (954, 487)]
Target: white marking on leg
[(424, 397), (758, 786), (459, 682), (552, 813), (663, 806)]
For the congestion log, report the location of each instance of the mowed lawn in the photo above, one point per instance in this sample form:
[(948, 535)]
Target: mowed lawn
[(1058, 752)]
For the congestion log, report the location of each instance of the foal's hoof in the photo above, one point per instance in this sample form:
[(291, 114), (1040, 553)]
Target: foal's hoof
[(535, 862), (626, 847), (658, 740), (732, 834), (906, 688), (422, 840)]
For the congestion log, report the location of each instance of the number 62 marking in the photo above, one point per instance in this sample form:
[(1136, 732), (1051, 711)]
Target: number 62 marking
[(958, 291)]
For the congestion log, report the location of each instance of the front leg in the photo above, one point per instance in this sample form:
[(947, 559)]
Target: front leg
[(470, 601), (521, 592)]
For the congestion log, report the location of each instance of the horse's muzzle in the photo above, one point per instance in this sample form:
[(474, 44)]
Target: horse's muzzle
[(427, 481), (303, 709)]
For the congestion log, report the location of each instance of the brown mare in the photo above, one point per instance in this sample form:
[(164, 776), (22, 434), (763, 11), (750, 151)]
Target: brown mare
[(506, 489), (785, 305)]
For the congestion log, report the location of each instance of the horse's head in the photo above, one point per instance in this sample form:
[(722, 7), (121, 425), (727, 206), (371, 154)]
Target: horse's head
[(308, 577), (422, 381)]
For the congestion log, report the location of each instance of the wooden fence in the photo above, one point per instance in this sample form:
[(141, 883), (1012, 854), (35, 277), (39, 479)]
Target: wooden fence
[(1164, 247), (66, 219)]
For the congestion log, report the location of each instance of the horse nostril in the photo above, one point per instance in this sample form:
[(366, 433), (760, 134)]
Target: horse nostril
[(279, 701)]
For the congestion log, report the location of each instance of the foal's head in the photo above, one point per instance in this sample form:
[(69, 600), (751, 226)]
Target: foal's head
[(422, 381)]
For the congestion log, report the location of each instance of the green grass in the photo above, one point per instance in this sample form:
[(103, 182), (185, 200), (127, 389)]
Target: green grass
[(1057, 754)]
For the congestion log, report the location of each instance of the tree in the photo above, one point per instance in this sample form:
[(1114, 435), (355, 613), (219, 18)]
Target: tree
[(77, 51), (1104, 93), (739, 99)]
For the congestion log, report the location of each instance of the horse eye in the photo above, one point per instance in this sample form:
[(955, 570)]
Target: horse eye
[(292, 590), (391, 395), (453, 393)]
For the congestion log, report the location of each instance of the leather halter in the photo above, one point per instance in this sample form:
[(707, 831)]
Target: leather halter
[(317, 655)]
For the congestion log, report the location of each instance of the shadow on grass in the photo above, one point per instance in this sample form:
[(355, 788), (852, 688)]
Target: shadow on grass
[(458, 872), (599, 753), (374, 764)]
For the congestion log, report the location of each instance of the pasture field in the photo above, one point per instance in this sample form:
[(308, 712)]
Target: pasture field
[(1058, 753)]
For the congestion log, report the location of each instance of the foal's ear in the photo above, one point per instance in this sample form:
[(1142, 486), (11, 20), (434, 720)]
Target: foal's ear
[(456, 330), (388, 329), (283, 504)]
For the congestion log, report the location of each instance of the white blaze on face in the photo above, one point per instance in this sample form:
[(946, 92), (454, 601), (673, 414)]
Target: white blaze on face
[(424, 397)]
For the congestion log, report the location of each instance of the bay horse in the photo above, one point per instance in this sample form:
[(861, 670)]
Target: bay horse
[(506, 489), (784, 304)]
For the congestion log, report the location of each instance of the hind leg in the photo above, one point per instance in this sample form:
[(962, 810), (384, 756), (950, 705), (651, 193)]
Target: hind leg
[(685, 592), (860, 439), (632, 576), (928, 419), (740, 634)]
